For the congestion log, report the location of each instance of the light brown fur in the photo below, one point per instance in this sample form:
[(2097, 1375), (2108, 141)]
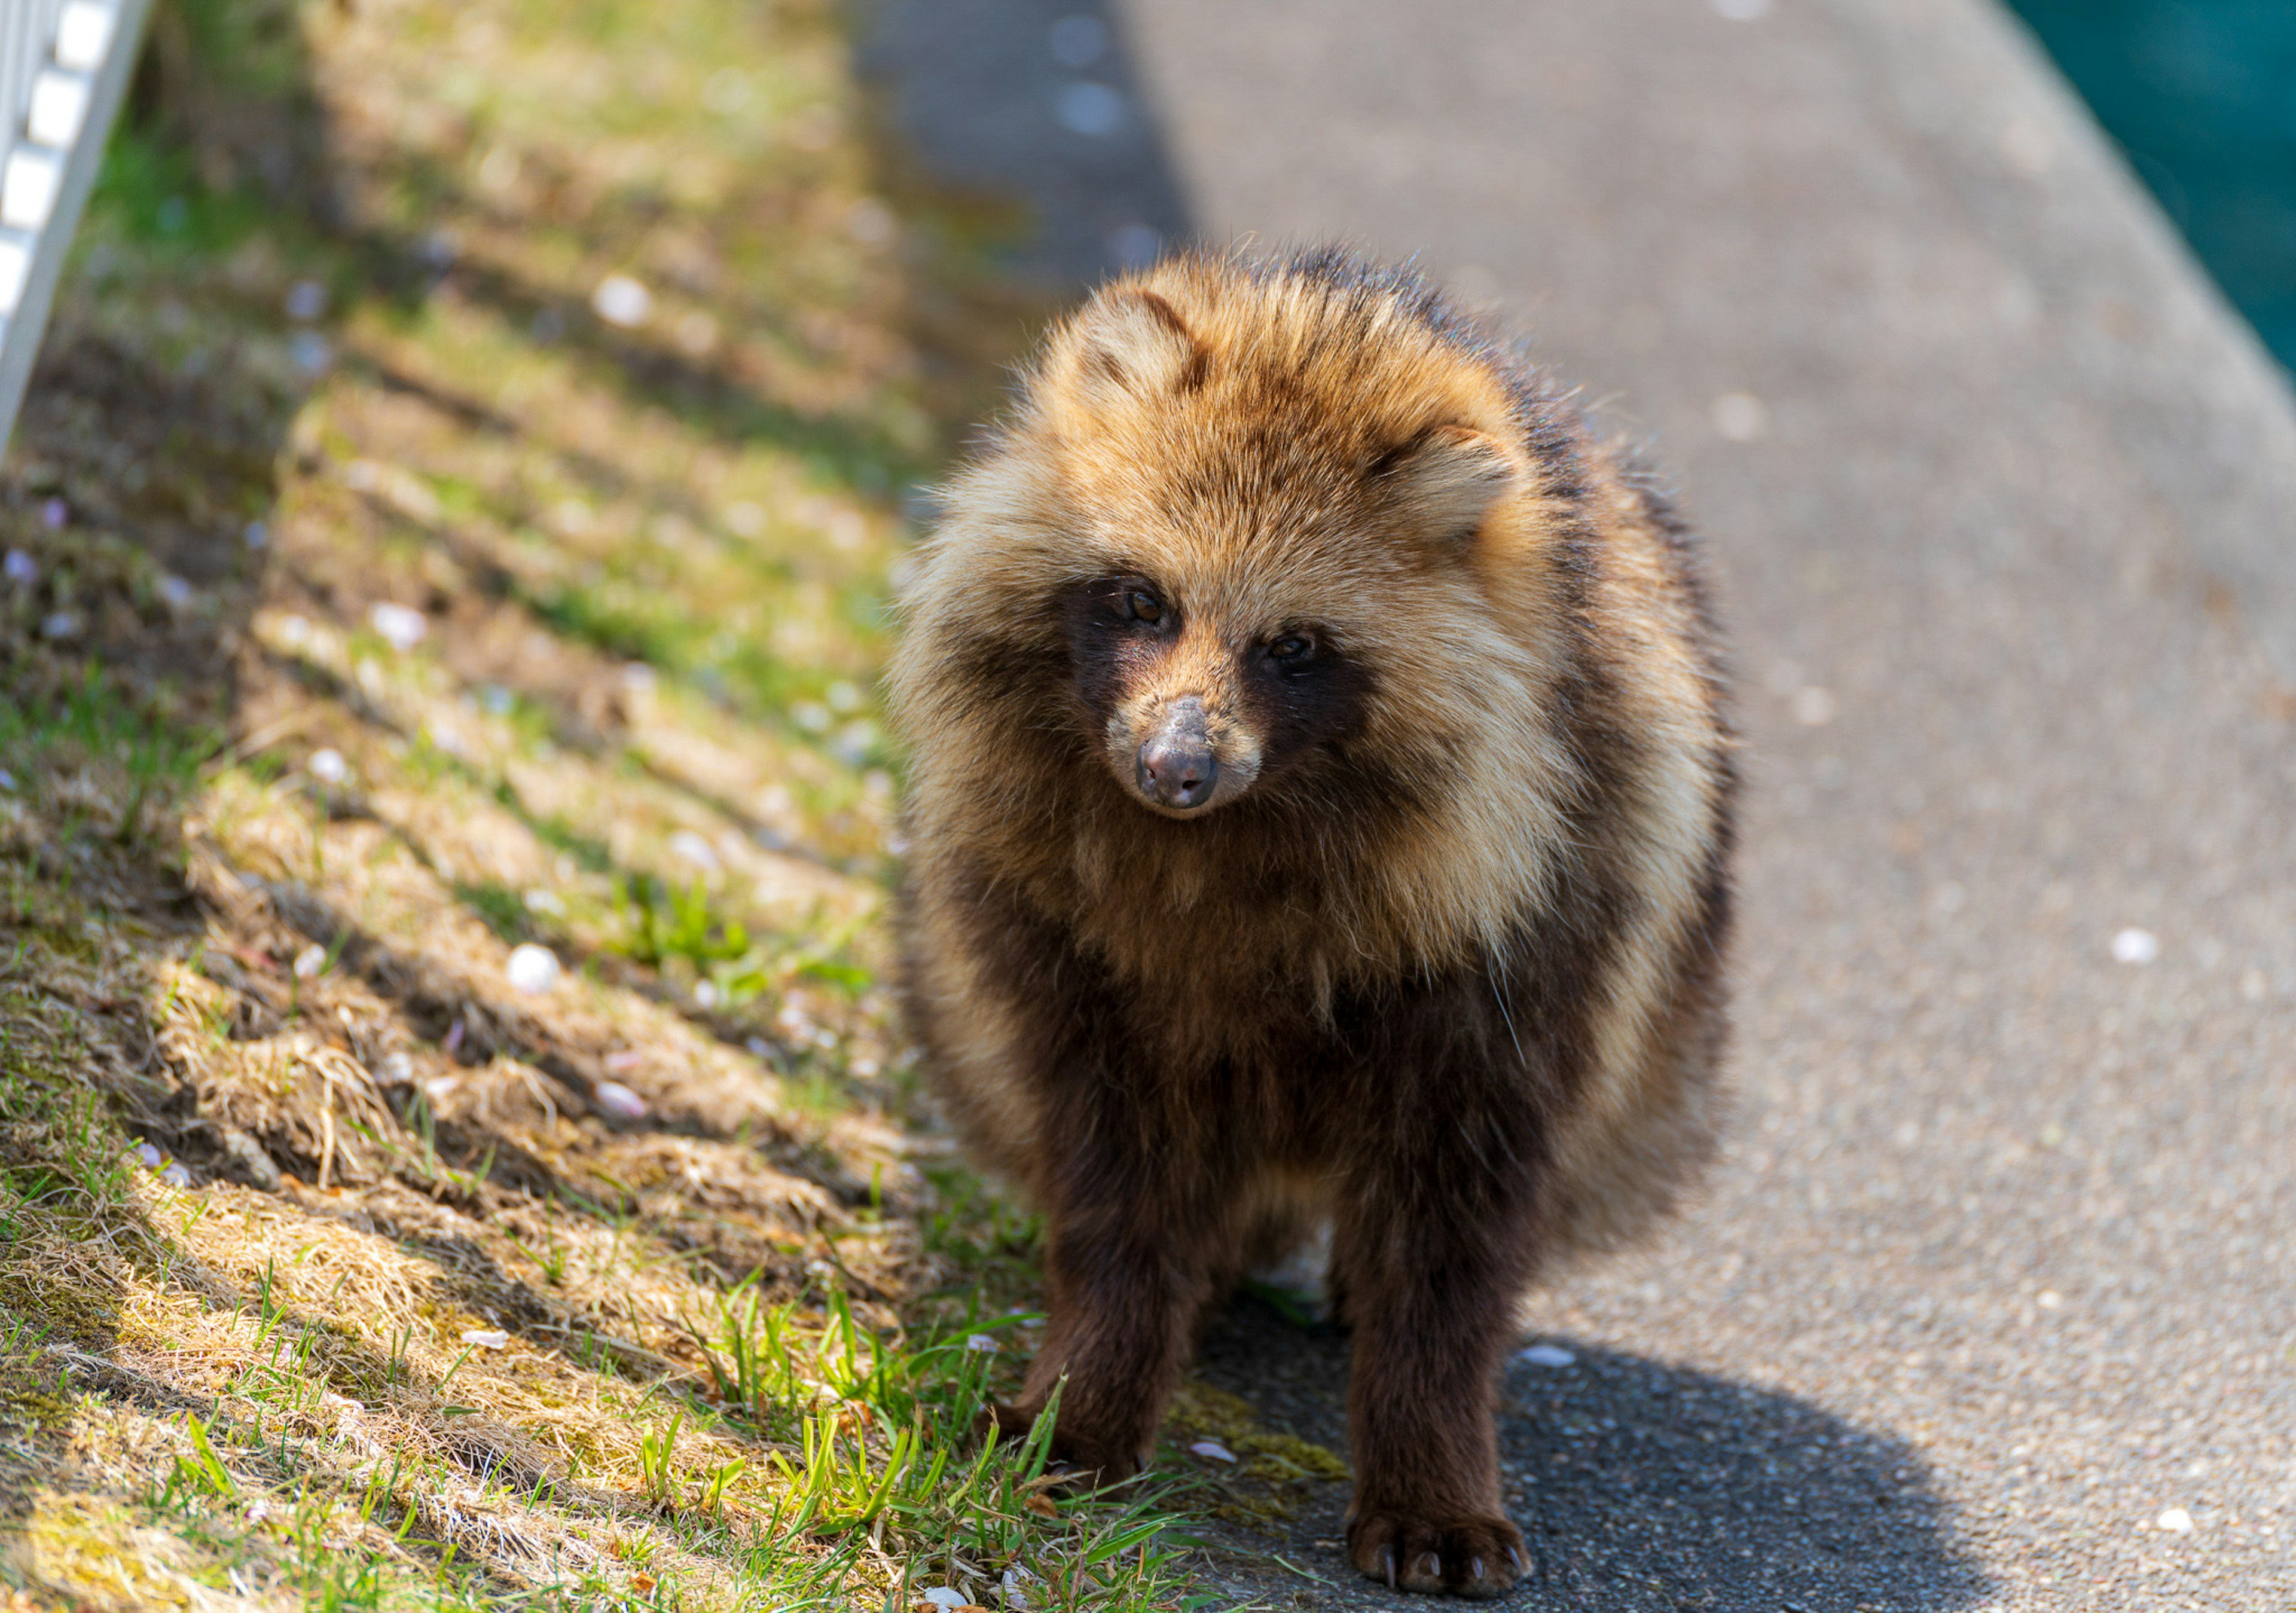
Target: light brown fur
[(1527, 799)]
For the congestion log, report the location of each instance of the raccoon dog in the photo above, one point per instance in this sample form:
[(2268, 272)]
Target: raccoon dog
[(1320, 812)]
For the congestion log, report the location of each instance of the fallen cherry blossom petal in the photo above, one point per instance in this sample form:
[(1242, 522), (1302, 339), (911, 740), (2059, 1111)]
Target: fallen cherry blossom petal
[(402, 626), (620, 1101), (532, 969)]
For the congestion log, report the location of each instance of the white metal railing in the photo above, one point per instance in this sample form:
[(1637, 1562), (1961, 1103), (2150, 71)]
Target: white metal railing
[(63, 68)]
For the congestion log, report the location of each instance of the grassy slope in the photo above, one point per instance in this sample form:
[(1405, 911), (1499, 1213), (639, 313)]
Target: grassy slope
[(335, 1268)]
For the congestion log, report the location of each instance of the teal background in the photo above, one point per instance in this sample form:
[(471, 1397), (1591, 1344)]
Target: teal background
[(2201, 96)]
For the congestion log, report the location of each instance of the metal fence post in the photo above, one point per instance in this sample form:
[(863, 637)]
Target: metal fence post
[(63, 68)]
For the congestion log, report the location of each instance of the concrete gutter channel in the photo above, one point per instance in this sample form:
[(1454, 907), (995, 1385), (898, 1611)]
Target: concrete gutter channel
[(1992, 1302)]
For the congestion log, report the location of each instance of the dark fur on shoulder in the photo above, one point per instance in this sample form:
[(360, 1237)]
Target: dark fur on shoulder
[(1321, 811)]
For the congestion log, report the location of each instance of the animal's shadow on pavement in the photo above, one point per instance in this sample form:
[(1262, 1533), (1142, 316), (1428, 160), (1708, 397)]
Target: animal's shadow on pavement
[(1038, 103), (1639, 1485)]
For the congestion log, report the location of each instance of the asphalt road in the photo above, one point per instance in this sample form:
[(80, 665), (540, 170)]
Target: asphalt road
[(1992, 1302)]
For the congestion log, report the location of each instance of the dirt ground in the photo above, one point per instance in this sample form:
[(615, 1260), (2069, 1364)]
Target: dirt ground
[(455, 1148)]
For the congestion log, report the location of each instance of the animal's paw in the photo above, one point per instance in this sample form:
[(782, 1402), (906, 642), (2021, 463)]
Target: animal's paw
[(1086, 1461), (1464, 1556)]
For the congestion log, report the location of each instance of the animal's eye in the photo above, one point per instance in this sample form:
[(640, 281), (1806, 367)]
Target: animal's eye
[(1143, 606), (1292, 649)]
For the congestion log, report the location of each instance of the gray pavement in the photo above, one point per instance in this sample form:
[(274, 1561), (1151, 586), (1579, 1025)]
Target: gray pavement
[(1992, 1301)]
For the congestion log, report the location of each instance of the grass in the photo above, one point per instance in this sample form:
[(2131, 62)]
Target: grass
[(337, 1270)]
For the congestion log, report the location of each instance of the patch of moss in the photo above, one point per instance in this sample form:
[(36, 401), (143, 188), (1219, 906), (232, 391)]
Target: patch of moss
[(1272, 1466), (84, 1551), (39, 1408), (87, 1316)]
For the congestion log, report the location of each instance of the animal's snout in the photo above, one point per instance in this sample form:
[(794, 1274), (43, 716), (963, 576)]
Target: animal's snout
[(1176, 766)]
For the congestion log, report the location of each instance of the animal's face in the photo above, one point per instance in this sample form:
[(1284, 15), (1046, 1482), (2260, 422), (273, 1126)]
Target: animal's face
[(1258, 567), (1242, 561), (1197, 694)]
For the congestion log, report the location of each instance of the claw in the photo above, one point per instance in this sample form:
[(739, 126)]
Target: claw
[(1431, 1566), (1477, 1566), (1389, 1554), (1516, 1557)]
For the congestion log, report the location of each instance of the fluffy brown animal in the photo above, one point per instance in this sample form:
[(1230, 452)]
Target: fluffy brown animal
[(1321, 808)]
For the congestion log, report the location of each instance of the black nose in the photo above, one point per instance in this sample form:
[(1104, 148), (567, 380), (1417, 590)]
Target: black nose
[(1176, 764)]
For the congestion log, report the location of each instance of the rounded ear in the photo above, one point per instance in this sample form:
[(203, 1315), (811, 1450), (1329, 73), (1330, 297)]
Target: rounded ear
[(1129, 345), (1444, 481)]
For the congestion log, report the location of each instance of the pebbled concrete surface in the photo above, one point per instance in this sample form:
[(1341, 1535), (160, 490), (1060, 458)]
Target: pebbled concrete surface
[(1996, 1285)]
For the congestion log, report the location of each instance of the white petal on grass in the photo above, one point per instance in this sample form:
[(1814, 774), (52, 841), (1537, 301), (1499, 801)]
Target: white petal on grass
[(1546, 1355), (2176, 1520), (854, 742), (306, 300), (174, 592), (620, 1101), (694, 849), (487, 1338), (705, 994), (20, 568), (532, 969), (982, 1342), (176, 1176), (1212, 1450), (328, 766), (941, 1596), (309, 962), (311, 352), (402, 626), (150, 1156), (2136, 946), (620, 300)]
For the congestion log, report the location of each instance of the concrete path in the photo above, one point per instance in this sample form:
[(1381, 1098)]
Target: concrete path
[(1993, 1301)]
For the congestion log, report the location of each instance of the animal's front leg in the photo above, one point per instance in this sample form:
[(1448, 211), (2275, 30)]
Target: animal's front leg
[(1434, 1251), (1129, 1269)]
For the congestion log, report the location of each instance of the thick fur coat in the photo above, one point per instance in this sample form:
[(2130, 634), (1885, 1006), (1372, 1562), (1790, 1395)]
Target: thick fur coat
[(1320, 810)]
